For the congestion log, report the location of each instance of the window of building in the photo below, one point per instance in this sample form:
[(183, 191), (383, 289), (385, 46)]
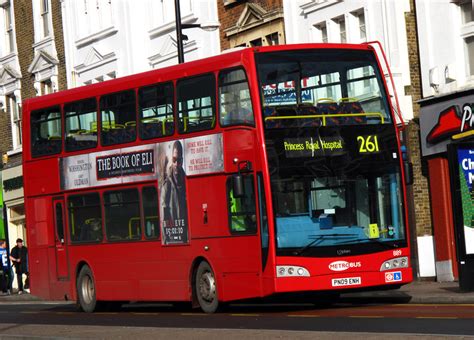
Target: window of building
[(45, 13), (466, 11), (150, 212), (242, 211), (196, 103), (122, 215), (235, 105), (9, 36), (272, 39), (15, 114), (118, 118), (470, 54), (323, 32), (342, 29), (46, 87), (256, 42), (156, 117), (85, 218), (81, 124), (360, 17), (46, 132)]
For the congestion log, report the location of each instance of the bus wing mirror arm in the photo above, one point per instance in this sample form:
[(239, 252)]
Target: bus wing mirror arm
[(238, 189)]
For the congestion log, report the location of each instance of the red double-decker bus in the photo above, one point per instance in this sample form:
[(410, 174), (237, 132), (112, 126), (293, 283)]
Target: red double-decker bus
[(261, 171)]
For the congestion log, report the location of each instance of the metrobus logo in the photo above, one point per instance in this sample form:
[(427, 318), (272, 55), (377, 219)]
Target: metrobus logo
[(339, 266)]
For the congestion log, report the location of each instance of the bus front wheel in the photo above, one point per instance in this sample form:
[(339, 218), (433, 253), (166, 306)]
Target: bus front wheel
[(206, 288), (86, 290)]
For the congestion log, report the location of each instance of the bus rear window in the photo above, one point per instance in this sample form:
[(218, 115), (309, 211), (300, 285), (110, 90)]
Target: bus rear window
[(118, 118), (196, 104), (156, 111), (81, 124), (46, 132)]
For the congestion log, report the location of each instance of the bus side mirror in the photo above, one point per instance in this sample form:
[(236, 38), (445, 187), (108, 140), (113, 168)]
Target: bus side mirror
[(408, 167), (238, 186)]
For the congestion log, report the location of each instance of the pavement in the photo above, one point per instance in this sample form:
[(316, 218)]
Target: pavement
[(422, 292)]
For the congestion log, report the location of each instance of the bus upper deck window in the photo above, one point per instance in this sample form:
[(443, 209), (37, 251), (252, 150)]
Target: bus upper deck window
[(156, 112), (235, 105), (118, 118), (46, 132), (196, 103), (81, 124)]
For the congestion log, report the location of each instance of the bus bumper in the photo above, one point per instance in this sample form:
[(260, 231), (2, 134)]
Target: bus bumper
[(345, 281)]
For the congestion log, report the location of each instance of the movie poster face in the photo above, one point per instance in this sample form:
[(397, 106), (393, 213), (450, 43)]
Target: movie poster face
[(172, 189)]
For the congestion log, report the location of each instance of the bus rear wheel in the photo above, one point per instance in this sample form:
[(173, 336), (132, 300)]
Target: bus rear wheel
[(206, 288), (85, 286)]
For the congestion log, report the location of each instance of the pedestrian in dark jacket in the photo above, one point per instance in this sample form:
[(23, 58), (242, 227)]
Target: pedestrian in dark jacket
[(19, 258)]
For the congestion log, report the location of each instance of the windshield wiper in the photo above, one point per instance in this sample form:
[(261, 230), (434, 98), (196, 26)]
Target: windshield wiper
[(382, 243), (319, 238)]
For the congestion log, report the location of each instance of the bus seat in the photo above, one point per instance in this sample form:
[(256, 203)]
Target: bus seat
[(348, 106), (151, 128), (308, 110), (270, 112), (328, 106)]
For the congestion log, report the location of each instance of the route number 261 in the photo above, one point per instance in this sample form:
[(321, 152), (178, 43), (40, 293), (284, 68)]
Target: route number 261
[(368, 144)]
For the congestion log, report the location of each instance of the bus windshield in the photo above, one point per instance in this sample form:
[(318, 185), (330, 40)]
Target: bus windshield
[(332, 153)]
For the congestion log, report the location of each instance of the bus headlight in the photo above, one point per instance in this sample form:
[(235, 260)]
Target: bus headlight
[(400, 262), (291, 271)]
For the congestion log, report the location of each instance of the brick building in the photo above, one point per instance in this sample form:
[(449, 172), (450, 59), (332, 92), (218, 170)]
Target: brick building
[(31, 64), (251, 23)]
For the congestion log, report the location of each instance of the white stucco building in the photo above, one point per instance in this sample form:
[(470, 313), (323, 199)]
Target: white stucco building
[(356, 21), (105, 39)]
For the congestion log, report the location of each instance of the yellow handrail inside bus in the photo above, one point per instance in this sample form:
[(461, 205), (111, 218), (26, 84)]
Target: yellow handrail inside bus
[(329, 116), (130, 222)]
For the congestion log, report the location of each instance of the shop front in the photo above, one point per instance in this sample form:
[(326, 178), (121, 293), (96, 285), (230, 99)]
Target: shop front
[(447, 142), (12, 181)]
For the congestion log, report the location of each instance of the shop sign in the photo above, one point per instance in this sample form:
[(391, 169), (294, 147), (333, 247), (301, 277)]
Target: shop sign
[(442, 121), (466, 178), (451, 121)]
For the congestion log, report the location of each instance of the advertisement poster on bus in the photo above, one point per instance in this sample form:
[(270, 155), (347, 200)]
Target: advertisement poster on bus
[(466, 177), (116, 166), (172, 188), (203, 155)]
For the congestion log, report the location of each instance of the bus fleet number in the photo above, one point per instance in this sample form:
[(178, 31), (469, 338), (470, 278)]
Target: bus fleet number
[(368, 144)]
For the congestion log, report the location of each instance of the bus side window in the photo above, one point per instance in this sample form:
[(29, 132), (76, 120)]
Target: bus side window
[(85, 218), (122, 215), (81, 124), (196, 103), (46, 132), (242, 210), (235, 106), (156, 112), (118, 118), (150, 212)]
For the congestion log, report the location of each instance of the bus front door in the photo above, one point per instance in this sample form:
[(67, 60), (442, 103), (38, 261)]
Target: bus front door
[(62, 263)]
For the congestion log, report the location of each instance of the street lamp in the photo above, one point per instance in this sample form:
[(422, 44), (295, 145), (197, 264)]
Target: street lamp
[(180, 37)]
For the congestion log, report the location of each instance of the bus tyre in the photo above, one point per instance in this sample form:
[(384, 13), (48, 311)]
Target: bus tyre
[(206, 288), (86, 290)]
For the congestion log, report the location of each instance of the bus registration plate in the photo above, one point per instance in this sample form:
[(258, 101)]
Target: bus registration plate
[(346, 281)]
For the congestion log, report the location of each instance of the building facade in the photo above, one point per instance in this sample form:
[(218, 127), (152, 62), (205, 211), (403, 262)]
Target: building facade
[(251, 23), (106, 39), (31, 64), (447, 74)]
